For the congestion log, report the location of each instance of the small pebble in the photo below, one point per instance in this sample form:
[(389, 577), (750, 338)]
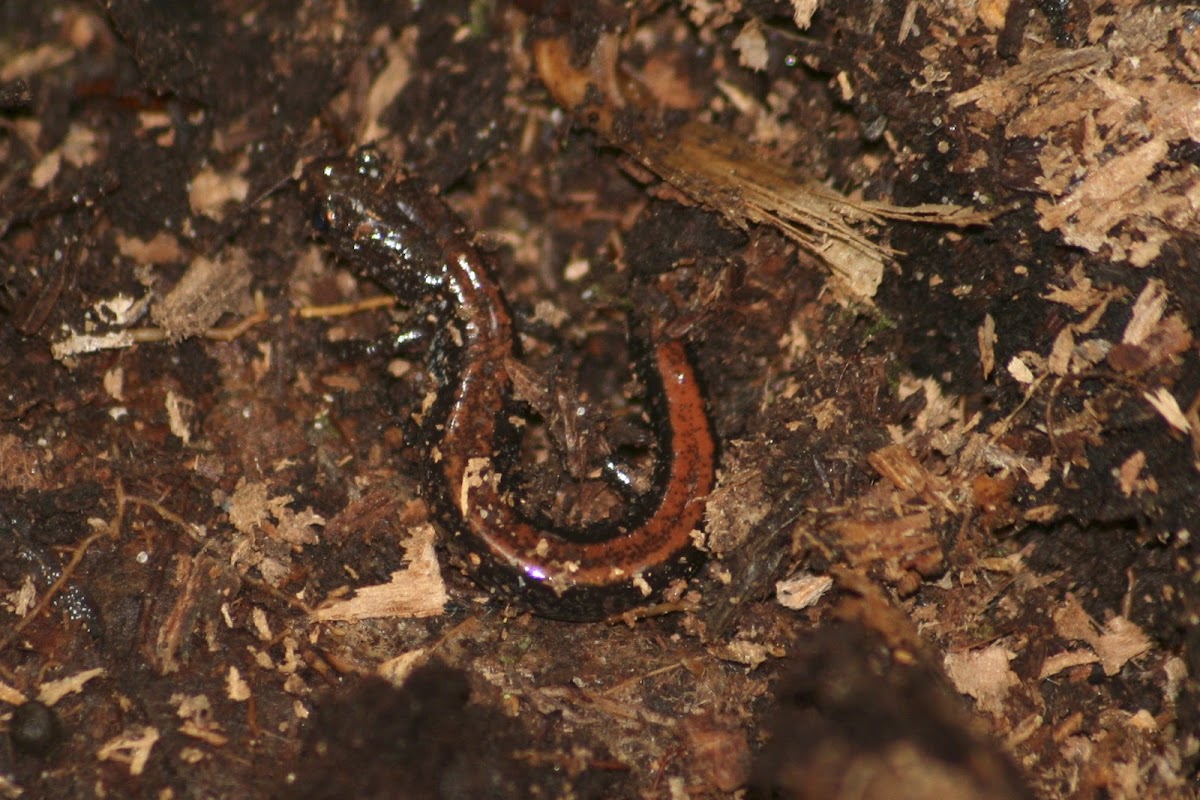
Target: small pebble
[(34, 728)]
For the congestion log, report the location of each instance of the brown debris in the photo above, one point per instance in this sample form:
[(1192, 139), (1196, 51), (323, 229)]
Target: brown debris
[(197, 715), (801, 591), (981, 468), (162, 248), (719, 751), (415, 591), (180, 621), (1109, 121), (899, 466), (716, 169), (131, 748), (906, 549), (251, 509), (211, 192), (206, 291), (984, 675), (1116, 642)]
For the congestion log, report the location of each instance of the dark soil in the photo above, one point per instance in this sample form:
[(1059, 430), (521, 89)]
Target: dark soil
[(1014, 598)]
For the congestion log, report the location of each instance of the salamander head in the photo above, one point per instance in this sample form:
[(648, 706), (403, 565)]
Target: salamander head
[(340, 189), (359, 212)]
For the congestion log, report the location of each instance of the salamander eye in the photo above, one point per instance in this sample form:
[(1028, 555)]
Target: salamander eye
[(323, 219)]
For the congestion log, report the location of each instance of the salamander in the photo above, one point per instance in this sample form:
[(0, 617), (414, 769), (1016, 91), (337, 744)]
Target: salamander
[(397, 233)]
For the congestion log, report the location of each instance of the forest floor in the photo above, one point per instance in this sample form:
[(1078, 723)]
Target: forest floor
[(936, 267)]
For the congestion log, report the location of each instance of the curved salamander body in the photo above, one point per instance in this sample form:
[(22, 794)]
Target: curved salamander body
[(403, 237)]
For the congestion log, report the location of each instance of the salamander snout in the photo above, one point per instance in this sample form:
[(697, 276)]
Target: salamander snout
[(384, 228)]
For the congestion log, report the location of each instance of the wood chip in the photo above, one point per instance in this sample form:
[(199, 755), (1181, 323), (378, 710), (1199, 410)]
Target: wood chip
[(984, 675), (236, 688), (416, 591), (906, 548), (210, 191), (179, 416), (251, 509), (1129, 473), (53, 691), (131, 747), (802, 590), (1059, 361), (1165, 404), (752, 45), (1115, 644), (1020, 372), (1066, 660), (986, 337), (11, 695), (163, 248), (394, 76), (898, 465), (396, 670), (1147, 313)]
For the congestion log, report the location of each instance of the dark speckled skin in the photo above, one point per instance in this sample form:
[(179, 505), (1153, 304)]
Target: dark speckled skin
[(402, 236)]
